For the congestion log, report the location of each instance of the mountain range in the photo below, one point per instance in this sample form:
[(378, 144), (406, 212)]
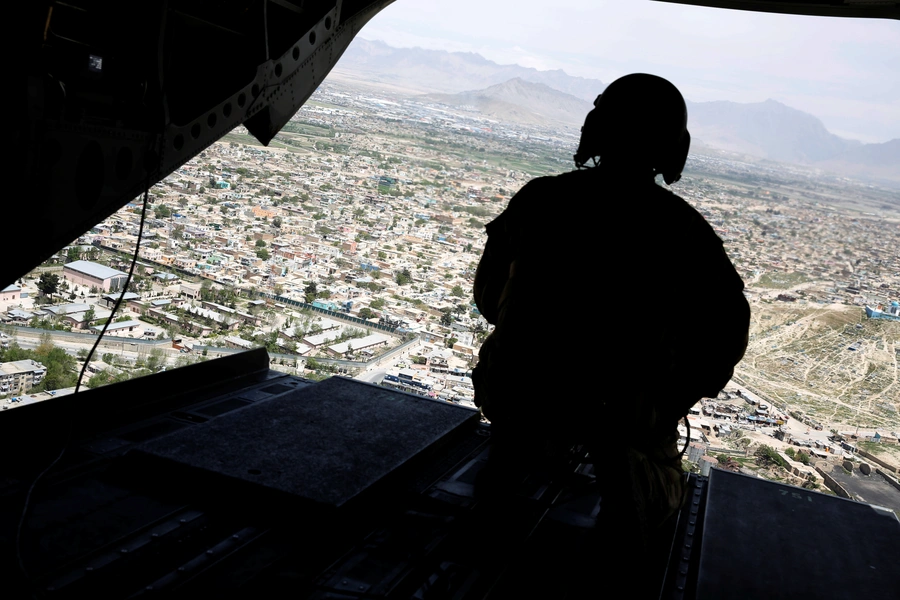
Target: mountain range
[(521, 101), (513, 93), (451, 72)]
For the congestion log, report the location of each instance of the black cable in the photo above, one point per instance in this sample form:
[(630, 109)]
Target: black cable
[(687, 441), (87, 361), (134, 258)]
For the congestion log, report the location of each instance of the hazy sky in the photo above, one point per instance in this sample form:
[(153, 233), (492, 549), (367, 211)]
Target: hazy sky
[(844, 71)]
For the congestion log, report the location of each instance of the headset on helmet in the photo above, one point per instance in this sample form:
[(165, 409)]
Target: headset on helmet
[(638, 122)]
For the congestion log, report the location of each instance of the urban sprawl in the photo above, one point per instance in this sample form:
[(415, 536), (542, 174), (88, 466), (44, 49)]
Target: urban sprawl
[(349, 246)]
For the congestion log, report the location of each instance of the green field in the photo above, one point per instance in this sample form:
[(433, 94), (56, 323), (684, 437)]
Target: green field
[(782, 281)]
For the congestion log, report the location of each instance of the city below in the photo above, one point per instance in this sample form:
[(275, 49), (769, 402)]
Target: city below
[(349, 246)]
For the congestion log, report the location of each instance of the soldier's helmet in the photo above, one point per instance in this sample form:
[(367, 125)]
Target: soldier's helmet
[(639, 122)]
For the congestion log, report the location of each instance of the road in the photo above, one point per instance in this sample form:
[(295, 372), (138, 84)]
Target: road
[(872, 489), (73, 347), (372, 376), (375, 373)]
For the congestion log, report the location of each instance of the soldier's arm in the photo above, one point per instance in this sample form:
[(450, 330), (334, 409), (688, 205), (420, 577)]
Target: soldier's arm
[(490, 278), (496, 261)]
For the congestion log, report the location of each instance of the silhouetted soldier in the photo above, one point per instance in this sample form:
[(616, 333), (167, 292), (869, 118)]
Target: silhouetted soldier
[(616, 308)]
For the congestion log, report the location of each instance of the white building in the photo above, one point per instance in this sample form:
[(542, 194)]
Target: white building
[(17, 377)]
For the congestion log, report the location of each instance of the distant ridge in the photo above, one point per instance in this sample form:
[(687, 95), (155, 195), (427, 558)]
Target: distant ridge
[(778, 132), (513, 93), (521, 101), (452, 72), (769, 129)]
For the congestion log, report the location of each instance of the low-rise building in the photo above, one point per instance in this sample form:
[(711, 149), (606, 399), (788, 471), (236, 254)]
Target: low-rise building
[(190, 290), (84, 272), (61, 310), (19, 317), (79, 320), (464, 350), (233, 341), (314, 341), (121, 328), (19, 376), (438, 364), (222, 320), (183, 262), (10, 292), (109, 300), (363, 343), (165, 277)]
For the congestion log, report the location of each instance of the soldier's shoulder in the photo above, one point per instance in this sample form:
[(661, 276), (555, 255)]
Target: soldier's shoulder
[(530, 197), (675, 207)]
